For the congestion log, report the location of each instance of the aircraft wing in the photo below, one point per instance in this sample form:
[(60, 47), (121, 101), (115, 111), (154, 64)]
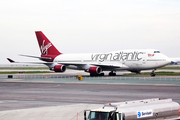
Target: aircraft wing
[(102, 65), (110, 66), (41, 58), (78, 64)]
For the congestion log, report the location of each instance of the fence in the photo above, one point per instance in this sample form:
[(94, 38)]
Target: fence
[(175, 80)]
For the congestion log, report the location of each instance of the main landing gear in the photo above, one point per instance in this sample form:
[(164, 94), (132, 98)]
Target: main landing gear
[(101, 74), (153, 73), (112, 73)]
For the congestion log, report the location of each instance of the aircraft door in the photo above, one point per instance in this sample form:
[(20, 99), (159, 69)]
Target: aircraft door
[(144, 60)]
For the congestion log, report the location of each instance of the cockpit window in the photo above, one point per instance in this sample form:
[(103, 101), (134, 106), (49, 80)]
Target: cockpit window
[(156, 51)]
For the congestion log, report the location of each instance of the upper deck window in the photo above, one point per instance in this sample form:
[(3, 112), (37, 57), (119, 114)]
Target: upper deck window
[(156, 51)]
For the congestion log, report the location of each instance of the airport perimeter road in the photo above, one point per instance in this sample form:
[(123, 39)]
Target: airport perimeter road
[(19, 95)]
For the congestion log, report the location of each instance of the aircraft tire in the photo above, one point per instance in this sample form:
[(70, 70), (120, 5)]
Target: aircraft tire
[(112, 74), (101, 74), (153, 74), (93, 75)]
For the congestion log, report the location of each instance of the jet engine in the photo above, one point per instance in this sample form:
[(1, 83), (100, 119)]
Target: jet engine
[(59, 68), (95, 70)]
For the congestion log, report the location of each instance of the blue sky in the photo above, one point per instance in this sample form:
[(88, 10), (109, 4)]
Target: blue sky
[(80, 26)]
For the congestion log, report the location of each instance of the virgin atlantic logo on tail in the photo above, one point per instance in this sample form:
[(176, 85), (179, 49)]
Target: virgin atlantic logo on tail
[(44, 49)]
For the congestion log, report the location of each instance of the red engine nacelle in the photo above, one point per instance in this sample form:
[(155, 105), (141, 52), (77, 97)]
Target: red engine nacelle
[(95, 70), (59, 68)]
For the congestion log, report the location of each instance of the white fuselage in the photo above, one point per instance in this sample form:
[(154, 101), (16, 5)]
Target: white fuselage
[(132, 60)]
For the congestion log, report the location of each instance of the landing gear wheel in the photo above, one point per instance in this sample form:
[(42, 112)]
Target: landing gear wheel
[(101, 74), (112, 73), (92, 74), (153, 74)]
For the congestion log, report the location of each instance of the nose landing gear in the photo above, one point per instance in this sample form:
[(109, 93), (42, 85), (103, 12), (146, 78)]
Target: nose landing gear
[(153, 73)]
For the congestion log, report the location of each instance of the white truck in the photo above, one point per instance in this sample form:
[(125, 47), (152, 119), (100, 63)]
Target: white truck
[(148, 109)]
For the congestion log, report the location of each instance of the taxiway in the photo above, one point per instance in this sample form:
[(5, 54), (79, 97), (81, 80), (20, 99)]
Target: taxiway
[(64, 98)]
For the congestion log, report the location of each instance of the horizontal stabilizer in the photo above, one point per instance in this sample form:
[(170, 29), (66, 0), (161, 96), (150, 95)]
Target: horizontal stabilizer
[(10, 60), (41, 58), (45, 63)]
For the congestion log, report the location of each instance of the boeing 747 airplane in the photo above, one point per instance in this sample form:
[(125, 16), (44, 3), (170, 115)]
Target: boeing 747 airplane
[(133, 60)]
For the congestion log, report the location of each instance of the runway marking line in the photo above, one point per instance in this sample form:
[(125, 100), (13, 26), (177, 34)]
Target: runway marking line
[(164, 85), (33, 98), (83, 82)]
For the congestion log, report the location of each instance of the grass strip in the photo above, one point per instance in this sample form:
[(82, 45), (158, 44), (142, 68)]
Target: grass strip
[(171, 67), (26, 72), (157, 73), (24, 68)]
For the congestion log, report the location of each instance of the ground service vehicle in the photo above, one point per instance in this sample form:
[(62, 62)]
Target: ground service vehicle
[(148, 109)]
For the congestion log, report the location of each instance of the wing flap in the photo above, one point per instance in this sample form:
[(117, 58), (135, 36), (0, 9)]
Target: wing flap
[(10, 60), (45, 63)]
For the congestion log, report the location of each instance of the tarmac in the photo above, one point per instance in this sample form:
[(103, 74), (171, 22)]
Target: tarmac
[(63, 112), (62, 97)]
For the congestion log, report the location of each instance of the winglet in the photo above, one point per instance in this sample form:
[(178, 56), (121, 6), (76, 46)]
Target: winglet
[(10, 60)]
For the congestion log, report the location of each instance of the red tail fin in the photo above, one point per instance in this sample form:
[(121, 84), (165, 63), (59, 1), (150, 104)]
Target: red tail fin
[(46, 47)]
